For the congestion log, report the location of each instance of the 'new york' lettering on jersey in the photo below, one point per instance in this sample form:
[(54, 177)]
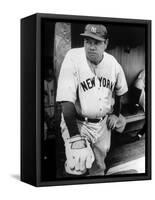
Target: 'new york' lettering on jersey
[(95, 91), (90, 83)]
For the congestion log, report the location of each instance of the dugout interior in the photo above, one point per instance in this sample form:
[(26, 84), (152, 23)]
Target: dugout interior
[(126, 44)]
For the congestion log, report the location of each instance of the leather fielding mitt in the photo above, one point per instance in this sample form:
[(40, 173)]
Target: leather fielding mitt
[(79, 155)]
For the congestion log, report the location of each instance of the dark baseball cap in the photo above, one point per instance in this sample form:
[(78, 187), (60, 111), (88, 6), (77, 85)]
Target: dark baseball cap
[(95, 31)]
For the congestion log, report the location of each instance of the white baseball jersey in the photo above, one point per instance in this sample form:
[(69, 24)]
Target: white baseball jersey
[(91, 92)]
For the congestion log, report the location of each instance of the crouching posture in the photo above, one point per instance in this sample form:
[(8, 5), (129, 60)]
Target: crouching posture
[(90, 85)]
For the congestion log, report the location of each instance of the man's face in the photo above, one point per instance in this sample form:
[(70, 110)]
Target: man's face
[(94, 49)]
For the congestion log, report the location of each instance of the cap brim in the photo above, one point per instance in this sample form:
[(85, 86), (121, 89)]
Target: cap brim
[(92, 36)]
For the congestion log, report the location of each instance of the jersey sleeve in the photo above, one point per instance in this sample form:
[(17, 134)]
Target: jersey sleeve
[(67, 81), (121, 86)]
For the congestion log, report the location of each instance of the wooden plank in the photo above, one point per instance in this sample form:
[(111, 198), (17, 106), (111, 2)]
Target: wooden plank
[(127, 157), (133, 118)]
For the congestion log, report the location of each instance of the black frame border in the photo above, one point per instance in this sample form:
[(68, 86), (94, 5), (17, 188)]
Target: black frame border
[(119, 178)]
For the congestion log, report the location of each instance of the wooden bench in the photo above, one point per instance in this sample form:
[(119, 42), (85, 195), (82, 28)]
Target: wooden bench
[(127, 159), (135, 118)]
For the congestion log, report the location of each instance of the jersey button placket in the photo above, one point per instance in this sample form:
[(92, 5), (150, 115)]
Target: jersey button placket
[(100, 107), (99, 99)]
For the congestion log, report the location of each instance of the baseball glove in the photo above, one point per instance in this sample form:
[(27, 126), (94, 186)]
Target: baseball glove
[(79, 155)]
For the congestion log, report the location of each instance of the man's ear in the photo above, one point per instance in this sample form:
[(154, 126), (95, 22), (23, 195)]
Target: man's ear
[(106, 43)]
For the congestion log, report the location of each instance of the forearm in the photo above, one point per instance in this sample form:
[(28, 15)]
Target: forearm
[(115, 120), (117, 106), (69, 114)]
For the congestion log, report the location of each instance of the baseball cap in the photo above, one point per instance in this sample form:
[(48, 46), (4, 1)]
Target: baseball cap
[(95, 31)]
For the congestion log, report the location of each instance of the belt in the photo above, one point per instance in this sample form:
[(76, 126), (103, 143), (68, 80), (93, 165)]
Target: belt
[(86, 119)]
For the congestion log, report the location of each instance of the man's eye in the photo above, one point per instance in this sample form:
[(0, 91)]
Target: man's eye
[(98, 43)]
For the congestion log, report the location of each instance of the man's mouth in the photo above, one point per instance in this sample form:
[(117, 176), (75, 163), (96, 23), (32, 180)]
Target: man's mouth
[(92, 54)]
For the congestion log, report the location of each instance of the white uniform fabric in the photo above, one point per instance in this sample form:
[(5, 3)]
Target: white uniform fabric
[(93, 131), (94, 91), (92, 94)]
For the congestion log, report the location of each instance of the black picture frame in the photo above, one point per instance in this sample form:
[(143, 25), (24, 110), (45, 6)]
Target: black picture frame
[(33, 55)]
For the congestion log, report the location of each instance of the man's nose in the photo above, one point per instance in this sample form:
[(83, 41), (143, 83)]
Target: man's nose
[(92, 46)]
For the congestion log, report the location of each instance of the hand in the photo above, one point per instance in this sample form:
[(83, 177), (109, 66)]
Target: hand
[(121, 123), (112, 121)]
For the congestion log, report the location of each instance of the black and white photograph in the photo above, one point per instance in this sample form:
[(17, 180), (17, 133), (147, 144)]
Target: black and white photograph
[(94, 100), (77, 100)]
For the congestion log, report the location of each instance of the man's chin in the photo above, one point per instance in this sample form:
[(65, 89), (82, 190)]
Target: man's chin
[(93, 59)]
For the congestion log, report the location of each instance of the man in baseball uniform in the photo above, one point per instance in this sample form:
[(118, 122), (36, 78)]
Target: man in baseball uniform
[(90, 85)]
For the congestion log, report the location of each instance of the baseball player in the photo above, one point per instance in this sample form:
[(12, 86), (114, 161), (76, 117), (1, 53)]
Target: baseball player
[(89, 80)]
